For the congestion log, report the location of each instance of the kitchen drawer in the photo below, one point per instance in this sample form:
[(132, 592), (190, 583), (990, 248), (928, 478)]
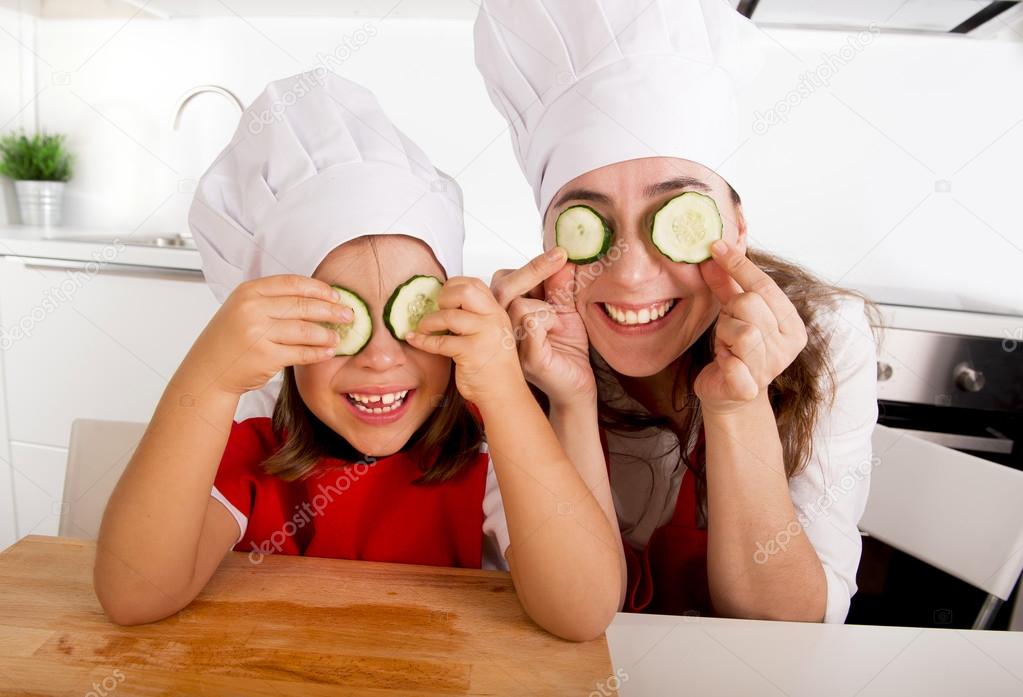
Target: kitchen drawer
[(38, 487), (82, 343)]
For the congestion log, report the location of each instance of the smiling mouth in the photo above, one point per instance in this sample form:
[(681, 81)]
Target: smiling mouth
[(638, 315), (377, 404)]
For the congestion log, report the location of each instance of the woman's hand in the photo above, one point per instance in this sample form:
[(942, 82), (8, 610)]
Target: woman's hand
[(479, 341), (551, 337), (265, 325), (758, 333)]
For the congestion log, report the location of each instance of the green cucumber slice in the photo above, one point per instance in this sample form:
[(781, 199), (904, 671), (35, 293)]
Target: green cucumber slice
[(583, 233), (408, 304), (686, 226), (355, 335)]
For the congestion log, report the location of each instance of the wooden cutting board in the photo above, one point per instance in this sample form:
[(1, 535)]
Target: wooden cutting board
[(285, 626)]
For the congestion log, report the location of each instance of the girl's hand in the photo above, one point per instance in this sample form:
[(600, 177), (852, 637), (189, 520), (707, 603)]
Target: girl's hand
[(551, 337), (265, 325), (480, 341), (758, 334)]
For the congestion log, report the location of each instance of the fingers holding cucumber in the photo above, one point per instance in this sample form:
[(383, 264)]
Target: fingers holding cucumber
[(264, 326)]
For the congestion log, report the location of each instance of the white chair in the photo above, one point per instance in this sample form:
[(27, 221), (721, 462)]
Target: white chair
[(959, 513), (97, 455)]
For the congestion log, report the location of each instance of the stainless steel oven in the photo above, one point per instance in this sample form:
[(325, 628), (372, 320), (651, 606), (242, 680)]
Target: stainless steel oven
[(954, 378), (963, 392)]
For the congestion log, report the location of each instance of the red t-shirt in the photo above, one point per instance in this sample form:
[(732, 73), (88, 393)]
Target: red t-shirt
[(371, 511)]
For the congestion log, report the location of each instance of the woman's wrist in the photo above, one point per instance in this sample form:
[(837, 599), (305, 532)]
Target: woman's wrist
[(578, 404), (736, 413)]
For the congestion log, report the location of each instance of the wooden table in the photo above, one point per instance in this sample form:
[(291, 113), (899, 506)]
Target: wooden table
[(286, 626)]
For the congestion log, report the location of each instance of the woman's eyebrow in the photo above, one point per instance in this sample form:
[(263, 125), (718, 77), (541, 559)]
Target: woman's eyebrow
[(582, 195), (669, 185)]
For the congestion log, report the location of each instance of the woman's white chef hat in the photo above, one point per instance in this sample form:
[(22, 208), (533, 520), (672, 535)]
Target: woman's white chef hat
[(588, 83), (316, 163)]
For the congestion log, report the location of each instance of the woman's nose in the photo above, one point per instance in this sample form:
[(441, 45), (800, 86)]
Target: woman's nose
[(637, 262), (383, 352)]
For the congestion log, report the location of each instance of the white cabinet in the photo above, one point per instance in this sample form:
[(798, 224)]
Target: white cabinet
[(101, 346), (81, 341)]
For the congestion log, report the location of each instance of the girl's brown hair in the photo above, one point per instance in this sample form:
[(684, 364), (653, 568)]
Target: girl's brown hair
[(797, 396), (447, 442)]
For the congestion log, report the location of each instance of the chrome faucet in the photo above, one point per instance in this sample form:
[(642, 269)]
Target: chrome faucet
[(184, 238), (200, 89)]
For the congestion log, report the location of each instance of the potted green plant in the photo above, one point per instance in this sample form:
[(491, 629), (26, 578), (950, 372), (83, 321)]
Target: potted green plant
[(40, 166)]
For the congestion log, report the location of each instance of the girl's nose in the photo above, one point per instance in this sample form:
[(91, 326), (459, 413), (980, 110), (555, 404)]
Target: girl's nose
[(383, 352)]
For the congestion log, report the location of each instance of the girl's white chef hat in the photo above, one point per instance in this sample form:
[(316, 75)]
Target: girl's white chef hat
[(588, 83), (315, 163)]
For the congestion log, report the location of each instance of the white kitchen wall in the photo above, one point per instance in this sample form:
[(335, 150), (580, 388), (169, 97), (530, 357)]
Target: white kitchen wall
[(134, 170), (877, 160), (17, 83)]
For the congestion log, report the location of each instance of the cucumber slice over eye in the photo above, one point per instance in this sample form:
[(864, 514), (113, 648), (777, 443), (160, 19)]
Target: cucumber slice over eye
[(355, 335), (408, 304), (686, 226), (583, 233)]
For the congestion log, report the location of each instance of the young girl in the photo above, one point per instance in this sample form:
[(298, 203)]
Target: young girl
[(736, 392), (325, 232)]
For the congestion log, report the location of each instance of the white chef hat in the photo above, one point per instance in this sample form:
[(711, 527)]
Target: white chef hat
[(588, 83), (315, 163)]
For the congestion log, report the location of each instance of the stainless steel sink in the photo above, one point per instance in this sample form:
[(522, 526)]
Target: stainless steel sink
[(163, 241)]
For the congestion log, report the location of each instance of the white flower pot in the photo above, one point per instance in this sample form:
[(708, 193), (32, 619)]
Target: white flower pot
[(40, 202)]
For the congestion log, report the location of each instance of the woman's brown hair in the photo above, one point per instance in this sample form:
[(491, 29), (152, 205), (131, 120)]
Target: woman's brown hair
[(797, 396), (448, 440)]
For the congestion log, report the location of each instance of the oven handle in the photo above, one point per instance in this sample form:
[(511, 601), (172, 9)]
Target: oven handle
[(1002, 446)]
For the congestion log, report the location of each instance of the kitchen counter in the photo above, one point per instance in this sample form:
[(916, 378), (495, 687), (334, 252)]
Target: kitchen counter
[(95, 246), (660, 655), (284, 626)]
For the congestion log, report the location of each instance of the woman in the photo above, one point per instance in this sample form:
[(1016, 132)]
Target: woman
[(735, 397)]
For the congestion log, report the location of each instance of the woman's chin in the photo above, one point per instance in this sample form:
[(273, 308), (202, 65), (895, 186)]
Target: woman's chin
[(630, 357), (630, 364)]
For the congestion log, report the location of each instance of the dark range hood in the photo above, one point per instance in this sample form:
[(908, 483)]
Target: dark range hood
[(933, 16)]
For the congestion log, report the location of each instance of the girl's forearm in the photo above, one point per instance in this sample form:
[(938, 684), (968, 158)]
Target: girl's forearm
[(149, 540), (564, 553), (749, 508), (575, 426)]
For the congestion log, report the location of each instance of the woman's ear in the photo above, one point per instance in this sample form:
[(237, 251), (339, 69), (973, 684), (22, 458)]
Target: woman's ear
[(740, 226)]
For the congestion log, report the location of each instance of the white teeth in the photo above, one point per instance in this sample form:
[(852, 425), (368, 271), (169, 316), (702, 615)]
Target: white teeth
[(384, 402), (643, 316)]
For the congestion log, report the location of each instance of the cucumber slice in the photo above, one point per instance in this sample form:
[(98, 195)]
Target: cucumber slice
[(356, 335), (583, 233), (686, 226), (408, 304)]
